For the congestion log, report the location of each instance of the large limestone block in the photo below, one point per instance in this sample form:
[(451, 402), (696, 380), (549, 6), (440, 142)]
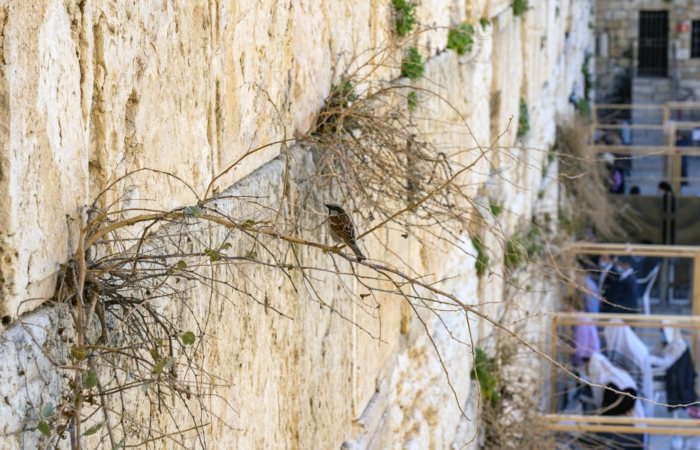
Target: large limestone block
[(507, 78), (536, 23), (438, 18), (476, 10), (150, 98), (426, 411), (43, 137), (497, 7)]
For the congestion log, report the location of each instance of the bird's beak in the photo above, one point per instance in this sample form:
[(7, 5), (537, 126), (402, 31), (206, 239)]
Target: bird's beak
[(328, 206)]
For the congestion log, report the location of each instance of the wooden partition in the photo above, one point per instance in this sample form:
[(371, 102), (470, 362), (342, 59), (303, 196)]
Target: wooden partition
[(665, 124), (622, 424), (617, 424), (661, 251), (590, 423)]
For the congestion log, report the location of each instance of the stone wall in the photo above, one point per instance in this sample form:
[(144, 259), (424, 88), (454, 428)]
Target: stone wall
[(617, 30), (91, 90)]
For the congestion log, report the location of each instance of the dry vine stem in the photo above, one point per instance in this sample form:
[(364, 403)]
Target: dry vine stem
[(127, 288)]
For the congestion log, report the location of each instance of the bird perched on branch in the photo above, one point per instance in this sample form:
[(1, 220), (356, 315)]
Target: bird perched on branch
[(341, 228)]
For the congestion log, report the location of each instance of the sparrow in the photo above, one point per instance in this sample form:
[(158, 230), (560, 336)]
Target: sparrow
[(341, 228)]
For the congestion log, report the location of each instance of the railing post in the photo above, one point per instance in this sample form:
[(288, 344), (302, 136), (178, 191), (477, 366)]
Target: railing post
[(553, 370)]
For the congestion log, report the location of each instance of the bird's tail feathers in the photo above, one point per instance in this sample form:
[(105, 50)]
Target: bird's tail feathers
[(357, 251)]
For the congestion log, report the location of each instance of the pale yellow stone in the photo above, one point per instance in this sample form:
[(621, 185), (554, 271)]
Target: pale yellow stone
[(89, 93)]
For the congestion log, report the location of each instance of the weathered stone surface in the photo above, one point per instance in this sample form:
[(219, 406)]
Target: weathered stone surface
[(92, 90)]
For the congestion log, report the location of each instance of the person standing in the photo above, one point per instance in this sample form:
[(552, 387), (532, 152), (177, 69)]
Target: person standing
[(621, 297)]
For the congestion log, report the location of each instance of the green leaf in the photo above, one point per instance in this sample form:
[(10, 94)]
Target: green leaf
[(188, 338), (193, 210), (44, 428), (92, 430), (120, 444), (251, 254), (89, 379), (213, 255), (48, 410), (181, 265), (79, 353), (250, 223), (146, 386), (226, 246), (154, 354), (164, 363)]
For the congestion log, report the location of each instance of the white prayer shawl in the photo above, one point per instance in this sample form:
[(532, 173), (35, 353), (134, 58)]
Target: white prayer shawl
[(664, 356), (626, 351), (602, 372)]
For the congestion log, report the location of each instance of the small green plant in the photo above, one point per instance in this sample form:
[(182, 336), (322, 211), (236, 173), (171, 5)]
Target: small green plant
[(520, 7), (587, 79), (482, 259), (340, 98), (342, 94), (461, 39), (483, 371), (412, 99), (412, 66), (570, 224), (551, 156), (520, 248), (524, 121), (404, 16), (496, 209), (484, 22), (583, 107)]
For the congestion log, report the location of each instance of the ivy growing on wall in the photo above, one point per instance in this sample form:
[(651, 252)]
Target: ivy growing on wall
[(404, 16), (461, 39), (412, 66), (520, 7)]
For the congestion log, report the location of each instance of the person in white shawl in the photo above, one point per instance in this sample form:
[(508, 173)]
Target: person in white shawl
[(626, 351), (666, 352), (602, 372)]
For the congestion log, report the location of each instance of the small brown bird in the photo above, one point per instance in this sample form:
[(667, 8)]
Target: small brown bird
[(341, 228)]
